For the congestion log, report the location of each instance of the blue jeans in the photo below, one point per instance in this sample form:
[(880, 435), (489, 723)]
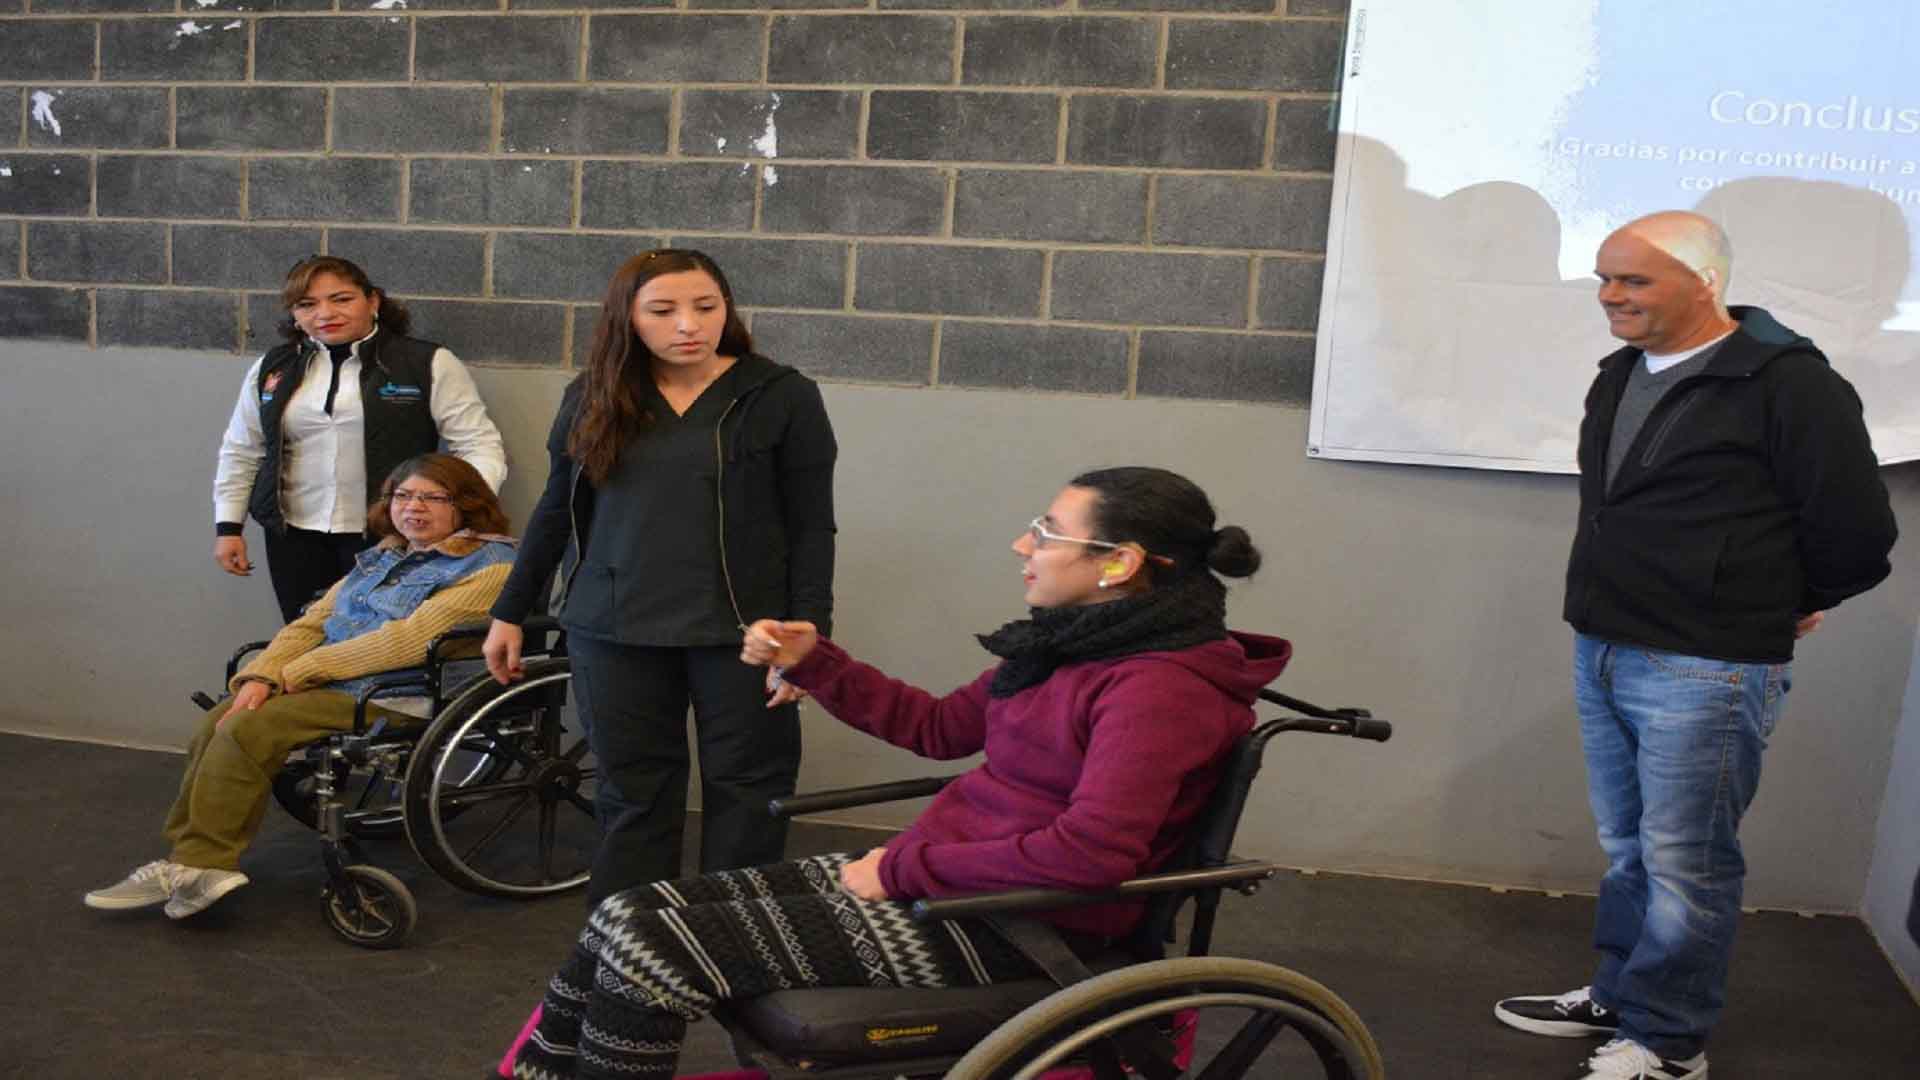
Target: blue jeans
[(1673, 747)]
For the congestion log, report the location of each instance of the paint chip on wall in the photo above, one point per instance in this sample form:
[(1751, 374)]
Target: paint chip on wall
[(43, 112)]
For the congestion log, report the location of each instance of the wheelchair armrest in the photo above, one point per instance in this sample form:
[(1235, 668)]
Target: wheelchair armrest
[(1211, 877), (389, 685), (239, 654), (477, 631), (841, 798), (474, 631)]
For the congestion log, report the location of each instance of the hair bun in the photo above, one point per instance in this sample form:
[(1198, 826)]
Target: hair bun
[(1232, 552)]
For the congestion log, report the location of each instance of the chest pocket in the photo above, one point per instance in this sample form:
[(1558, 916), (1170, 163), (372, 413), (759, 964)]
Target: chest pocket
[(400, 594)]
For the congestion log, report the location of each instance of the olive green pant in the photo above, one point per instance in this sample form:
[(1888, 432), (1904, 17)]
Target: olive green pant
[(231, 765)]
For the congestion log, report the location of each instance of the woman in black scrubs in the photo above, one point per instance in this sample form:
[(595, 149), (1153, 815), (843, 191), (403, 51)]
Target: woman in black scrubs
[(694, 479)]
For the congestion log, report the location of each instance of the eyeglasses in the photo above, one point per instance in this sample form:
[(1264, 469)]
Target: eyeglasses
[(429, 498), (1042, 536)]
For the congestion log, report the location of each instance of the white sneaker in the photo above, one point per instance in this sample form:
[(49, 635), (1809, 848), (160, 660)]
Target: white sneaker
[(1623, 1059), (195, 889), (146, 886)]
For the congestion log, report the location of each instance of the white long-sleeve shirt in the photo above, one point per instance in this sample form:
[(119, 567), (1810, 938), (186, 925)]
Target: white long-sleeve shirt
[(324, 468)]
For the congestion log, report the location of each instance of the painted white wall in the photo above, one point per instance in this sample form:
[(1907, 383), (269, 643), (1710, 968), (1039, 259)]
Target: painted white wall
[(1896, 848), (1429, 595)]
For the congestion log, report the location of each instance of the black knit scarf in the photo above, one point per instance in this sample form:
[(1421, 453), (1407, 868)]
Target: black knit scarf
[(1179, 615)]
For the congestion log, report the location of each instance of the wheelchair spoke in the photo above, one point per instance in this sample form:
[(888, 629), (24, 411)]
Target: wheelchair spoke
[(508, 747), (1245, 1047), (584, 804), (482, 793), (370, 909), (506, 822), (546, 840), (1106, 1062)]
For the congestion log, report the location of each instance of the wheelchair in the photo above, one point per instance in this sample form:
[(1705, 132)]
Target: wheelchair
[(1127, 1010), (494, 791)]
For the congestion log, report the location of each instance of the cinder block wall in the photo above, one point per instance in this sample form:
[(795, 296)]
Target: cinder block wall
[(1115, 197)]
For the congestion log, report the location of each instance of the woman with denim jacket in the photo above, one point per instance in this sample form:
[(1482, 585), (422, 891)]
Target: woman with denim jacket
[(440, 560), (692, 485)]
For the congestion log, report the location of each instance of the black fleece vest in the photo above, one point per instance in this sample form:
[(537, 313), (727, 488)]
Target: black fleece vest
[(396, 385)]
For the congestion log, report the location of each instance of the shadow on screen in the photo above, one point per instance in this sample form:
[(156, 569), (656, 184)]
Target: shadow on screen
[(1829, 260)]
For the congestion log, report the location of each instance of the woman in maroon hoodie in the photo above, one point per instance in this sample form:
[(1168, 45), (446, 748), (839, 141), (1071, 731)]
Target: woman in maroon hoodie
[(1105, 725)]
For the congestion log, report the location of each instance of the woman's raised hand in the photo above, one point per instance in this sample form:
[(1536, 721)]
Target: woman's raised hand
[(502, 652), (771, 642)]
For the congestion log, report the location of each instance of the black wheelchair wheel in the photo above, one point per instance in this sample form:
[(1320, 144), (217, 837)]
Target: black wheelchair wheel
[(371, 909), (499, 793), (1243, 1007)]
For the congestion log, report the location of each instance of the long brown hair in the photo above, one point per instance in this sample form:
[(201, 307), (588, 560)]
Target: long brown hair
[(479, 507), (610, 412), (391, 315)]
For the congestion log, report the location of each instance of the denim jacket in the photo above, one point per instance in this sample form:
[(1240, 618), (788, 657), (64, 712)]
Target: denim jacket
[(389, 583)]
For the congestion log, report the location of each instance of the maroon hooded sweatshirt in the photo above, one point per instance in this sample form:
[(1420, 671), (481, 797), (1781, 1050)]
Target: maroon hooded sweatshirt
[(1091, 777)]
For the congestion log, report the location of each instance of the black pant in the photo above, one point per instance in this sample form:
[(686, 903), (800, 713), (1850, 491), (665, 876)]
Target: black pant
[(633, 702), (1913, 911), (303, 564)]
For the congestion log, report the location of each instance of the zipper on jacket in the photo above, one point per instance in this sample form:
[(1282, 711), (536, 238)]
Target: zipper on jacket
[(1666, 426), (306, 358), (720, 504), (573, 527)]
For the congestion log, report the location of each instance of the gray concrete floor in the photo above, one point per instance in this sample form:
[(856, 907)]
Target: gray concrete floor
[(259, 987)]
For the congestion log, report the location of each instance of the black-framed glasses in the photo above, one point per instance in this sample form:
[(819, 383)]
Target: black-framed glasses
[(429, 498)]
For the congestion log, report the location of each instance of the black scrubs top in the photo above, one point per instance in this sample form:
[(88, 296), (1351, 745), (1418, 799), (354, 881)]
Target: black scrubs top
[(668, 478)]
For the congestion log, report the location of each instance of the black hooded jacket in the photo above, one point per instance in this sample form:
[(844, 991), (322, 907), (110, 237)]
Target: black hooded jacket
[(775, 454), (1750, 497)]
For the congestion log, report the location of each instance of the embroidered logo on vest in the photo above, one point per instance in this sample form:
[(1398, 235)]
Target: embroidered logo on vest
[(267, 388), (397, 394)]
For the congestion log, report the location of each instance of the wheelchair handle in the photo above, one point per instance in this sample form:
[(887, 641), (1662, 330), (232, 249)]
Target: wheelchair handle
[(1346, 720), (1366, 727)]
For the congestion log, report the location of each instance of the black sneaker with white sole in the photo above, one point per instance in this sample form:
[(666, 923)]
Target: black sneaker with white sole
[(1571, 1015)]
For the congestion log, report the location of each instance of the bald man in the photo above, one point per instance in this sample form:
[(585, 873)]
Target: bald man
[(1729, 497)]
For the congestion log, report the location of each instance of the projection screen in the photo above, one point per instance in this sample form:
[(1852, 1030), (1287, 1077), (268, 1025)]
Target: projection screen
[(1486, 147)]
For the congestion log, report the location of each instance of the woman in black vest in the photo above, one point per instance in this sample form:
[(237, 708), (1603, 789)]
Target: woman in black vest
[(346, 397), (695, 481)]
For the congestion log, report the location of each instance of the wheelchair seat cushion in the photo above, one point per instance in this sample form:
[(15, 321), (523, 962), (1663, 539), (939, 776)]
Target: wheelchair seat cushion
[(862, 1024), (868, 1024)]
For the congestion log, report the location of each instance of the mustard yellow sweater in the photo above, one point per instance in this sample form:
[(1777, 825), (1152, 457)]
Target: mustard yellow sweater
[(295, 659)]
